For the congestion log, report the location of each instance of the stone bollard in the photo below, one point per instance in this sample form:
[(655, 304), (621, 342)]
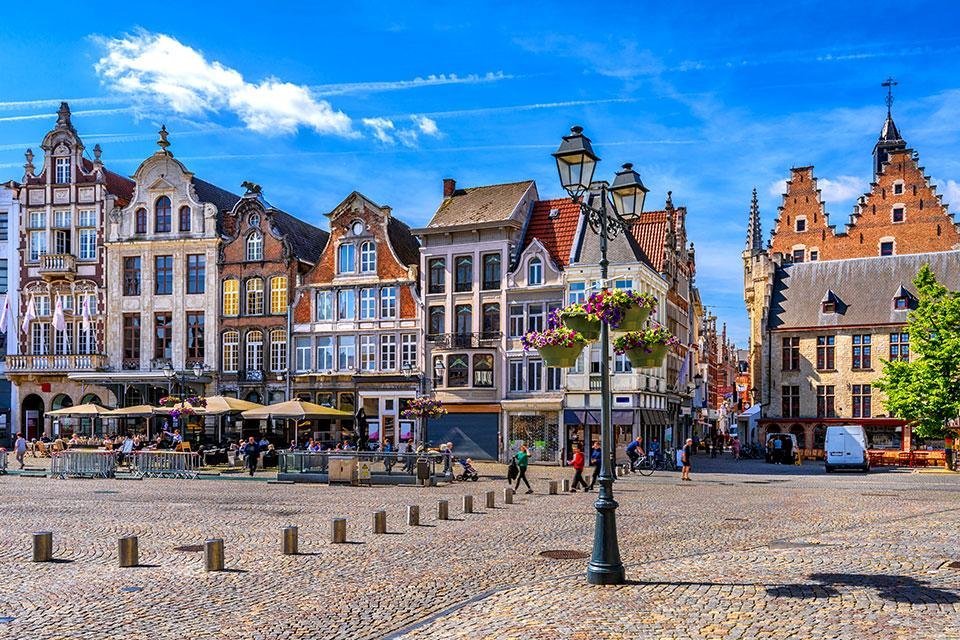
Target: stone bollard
[(291, 541), (491, 500), (213, 554), (413, 515), (566, 486), (468, 504), (443, 510), (379, 521), (43, 546), (553, 487), (508, 496), (338, 534), (128, 548)]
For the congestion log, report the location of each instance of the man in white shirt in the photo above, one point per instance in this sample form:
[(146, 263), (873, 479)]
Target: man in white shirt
[(20, 446)]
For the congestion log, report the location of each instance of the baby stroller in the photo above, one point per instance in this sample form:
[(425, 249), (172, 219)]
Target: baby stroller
[(469, 473)]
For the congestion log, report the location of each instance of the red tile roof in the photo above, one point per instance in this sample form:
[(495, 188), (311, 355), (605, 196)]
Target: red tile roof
[(555, 233), (650, 232), (118, 185)]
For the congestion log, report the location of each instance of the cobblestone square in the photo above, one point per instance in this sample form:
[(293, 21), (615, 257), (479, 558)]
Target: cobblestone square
[(747, 550)]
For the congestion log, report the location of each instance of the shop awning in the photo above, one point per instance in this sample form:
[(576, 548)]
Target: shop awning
[(623, 417), (655, 418), (619, 418)]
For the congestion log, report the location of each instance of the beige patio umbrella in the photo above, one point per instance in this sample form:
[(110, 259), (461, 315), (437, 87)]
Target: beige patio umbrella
[(81, 410), (295, 410), (217, 405), (181, 406), (137, 411)]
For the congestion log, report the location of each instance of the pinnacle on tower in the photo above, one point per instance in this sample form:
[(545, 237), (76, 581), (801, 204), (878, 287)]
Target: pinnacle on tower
[(890, 139), (163, 143), (754, 237), (63, 116)]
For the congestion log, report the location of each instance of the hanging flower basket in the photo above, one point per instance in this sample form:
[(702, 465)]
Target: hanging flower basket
[(424, 407), (622, 310), (577, 319), (558, 346), (647, 348)]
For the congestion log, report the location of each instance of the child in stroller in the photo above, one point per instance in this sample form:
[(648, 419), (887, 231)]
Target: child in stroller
[(469, 473)]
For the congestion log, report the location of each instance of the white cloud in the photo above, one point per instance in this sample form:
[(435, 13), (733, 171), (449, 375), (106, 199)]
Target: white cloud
[(841, 189), (950, 190), (381, 129), (396, 85), (427, 126), (159, 70), (778, 188)]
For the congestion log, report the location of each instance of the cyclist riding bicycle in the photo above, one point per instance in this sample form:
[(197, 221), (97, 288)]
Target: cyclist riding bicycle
[(633, 452)]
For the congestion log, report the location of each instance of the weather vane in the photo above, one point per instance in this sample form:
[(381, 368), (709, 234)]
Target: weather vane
[(889, 83)]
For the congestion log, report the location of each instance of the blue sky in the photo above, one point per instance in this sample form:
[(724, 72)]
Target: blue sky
[(706, 99)]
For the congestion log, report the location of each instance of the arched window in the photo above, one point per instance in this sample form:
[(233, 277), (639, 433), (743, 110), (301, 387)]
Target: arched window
[(463, 272), (231, 297), (278, 350), (254, 297), (184, 218), (163, 212), (535, 272), (491, 321), (278, 295), (464, 319), (347, 258), (368, 257), (231, 351), (255, 247), (140, 221), (254, 360)]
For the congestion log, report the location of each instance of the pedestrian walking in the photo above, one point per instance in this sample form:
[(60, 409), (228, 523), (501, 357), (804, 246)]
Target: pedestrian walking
[(735, 447), (251, 452), (596, 454), (685, 459), (20, 447), (578, 463), (522, 458)]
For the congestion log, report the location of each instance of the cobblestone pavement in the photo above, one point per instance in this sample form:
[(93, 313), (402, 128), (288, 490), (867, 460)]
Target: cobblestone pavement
[(745, 551)]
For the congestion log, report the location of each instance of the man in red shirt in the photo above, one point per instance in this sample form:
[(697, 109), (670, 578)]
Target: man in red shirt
[(578, 464)]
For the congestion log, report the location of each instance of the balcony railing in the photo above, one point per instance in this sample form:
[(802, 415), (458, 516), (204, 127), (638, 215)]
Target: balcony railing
[(63, 363), (58, 265), (482, 340)]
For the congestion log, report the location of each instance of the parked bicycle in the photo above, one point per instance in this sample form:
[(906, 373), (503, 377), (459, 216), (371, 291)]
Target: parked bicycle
[(646, 465)]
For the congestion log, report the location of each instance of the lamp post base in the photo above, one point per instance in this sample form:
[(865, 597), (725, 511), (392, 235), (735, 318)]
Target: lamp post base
[(605, 566)]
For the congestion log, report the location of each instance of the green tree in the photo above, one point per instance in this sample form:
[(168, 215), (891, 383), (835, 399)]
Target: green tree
[(926, 390)]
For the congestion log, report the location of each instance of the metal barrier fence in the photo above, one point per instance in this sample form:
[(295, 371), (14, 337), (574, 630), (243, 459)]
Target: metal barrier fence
[(83, 464), (3, 461), (378, 463), (165, 464)]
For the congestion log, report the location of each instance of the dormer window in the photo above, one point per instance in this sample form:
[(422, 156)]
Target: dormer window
[(901, 303), (801, 225), (829, 307), (62, 170), (898, 213), (535, 272), (830, 302), (553, 213)]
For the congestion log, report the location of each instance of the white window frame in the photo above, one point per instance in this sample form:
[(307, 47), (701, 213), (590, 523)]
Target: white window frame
[(87, 241), (347, 250), (368, 353), (326, 353), (61, 170), (346, 304), (368, 303), (254, 351), (303, 352), (254, 249), (388, 303), (324, 304), (346, 353), (408, 349), (278, 350), (230, 341), (515, 374), (368, 257), (535, 272), (388, 352)]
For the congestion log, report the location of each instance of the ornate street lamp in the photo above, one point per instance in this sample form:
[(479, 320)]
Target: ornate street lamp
[(576, 163)]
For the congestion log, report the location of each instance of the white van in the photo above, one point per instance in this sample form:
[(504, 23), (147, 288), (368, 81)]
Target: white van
[(845, 447)]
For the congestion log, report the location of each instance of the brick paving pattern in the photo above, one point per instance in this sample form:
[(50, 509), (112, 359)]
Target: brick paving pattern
[(775, 552)]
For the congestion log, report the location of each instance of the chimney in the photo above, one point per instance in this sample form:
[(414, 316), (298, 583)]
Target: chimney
[(449, 186)]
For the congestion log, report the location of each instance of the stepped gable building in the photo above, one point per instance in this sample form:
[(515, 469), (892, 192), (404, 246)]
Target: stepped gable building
[(826, 306), (161, 280), (466, 252), (264, 255), (357, 336), (64, 206), (662, 239)]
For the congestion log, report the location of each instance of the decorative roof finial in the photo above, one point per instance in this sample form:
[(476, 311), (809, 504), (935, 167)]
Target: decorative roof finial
[(63, 115), (754, 235), (669, 204), (163, 143), (889, 83), (253, 189), (28, 166), (97, 151)]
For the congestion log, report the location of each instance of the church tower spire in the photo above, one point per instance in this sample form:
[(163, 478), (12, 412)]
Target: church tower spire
[(890, 139), (754, 235)]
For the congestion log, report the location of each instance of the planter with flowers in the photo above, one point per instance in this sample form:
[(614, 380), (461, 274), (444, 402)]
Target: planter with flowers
[(578, 319), (622, 310), (183, 407), (424, 407), (646, 348), (558, 346)]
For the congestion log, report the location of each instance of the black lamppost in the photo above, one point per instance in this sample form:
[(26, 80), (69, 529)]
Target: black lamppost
[(181, 378), (576, 163)]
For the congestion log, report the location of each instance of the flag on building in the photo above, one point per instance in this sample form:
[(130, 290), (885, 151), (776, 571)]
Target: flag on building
[(85, 312), (59, 322), (4, 313), (29, 316)]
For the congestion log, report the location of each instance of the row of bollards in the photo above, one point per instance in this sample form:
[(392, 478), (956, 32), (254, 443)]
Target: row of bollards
[(213, 554)]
